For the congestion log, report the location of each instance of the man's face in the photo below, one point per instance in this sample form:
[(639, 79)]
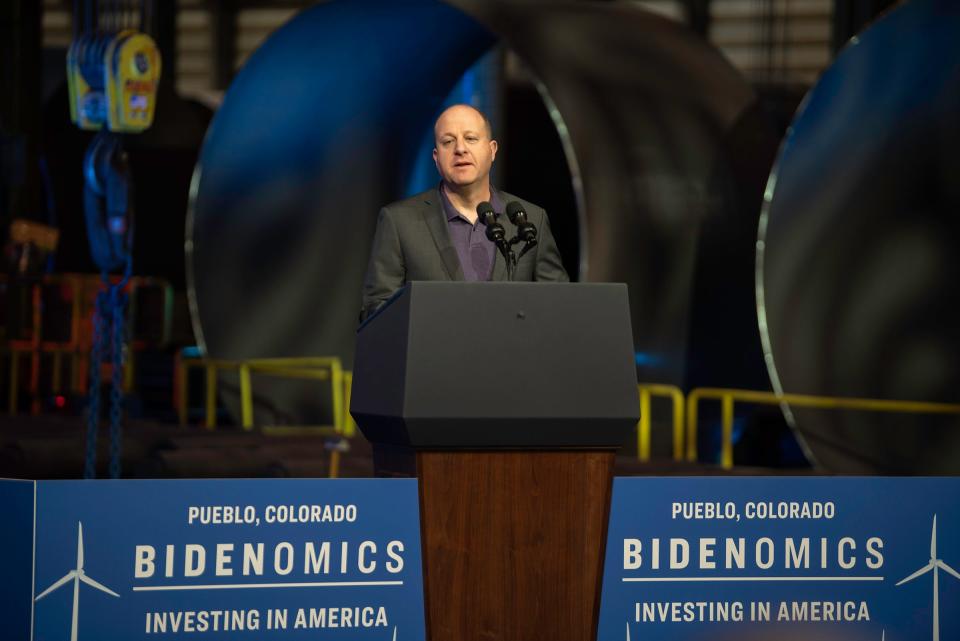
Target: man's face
[(464, 152)]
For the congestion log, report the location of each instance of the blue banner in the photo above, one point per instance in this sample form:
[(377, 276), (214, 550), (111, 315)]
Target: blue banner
[(225, 559), (824, 558), (16, 539)]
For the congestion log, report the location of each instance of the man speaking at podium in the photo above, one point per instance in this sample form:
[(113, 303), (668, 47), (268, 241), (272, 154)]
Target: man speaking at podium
[(440, 235)]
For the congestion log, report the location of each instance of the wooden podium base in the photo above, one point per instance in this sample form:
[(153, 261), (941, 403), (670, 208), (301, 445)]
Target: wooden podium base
[(513, 541)]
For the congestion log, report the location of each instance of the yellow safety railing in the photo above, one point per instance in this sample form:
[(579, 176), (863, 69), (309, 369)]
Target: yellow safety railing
[(34, 346), (181, 389), (82, 290), (648, 391), (316, 368), (728, 397), (685, 409), (349, 425), (139, 283)]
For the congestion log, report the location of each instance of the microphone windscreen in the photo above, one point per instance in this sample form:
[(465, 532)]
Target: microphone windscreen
[(515, 211), (485, 211)]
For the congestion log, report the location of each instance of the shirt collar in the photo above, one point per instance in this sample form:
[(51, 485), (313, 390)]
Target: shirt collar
[(451, 212)]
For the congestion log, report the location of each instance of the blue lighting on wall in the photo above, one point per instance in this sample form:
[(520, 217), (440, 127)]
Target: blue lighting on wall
[(646, 359)]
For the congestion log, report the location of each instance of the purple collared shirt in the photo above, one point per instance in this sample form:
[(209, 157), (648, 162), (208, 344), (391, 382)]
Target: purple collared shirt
[(475, 251)]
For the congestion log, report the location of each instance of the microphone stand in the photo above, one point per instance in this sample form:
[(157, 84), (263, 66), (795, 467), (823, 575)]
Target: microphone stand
[(510, 258), (530, 244), (514, 258), (495, 233)]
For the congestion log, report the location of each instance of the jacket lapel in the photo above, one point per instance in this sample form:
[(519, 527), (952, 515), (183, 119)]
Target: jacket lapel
[(437, 224)]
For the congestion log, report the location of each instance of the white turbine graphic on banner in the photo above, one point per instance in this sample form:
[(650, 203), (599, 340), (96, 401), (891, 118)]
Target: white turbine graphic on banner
[(628, 631), (76, 575), (935, 564), (394, 633)]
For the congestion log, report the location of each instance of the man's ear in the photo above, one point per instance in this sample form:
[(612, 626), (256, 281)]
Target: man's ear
[(493, 150), (435, 153)]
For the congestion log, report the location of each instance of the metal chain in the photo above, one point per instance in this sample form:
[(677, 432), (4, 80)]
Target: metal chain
[(93, 405), (119, 305), (109, 332)]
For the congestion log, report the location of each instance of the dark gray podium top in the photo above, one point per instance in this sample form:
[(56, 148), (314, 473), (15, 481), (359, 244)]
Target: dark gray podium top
[(498, 366)]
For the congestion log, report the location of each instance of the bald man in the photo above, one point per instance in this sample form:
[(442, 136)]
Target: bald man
[(437, 235)]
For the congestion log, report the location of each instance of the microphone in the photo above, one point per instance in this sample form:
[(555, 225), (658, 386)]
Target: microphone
[(497, 235), (495, 231), (526, 231), (486, 213)]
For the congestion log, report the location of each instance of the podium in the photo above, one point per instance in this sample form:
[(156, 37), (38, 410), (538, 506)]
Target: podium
[(508, 402)]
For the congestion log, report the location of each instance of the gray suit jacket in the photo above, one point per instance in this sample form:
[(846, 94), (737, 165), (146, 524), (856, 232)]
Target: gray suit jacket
[(412, 242)]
